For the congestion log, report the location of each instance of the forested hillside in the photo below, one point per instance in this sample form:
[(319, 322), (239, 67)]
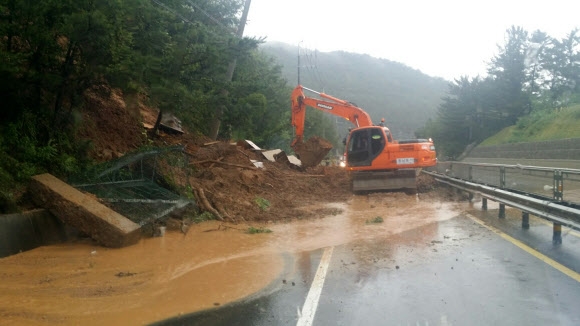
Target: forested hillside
[(63, 63), (405, 97)]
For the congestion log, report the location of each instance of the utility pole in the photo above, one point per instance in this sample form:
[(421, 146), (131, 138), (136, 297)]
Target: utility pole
[(219, 111), (298, 66)]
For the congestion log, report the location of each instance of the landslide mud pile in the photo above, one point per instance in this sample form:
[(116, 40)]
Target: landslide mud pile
[(221, 177), (239, 191)]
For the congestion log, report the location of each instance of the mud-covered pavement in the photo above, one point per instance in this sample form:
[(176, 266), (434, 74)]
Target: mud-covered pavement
[(211, 265), (457, 271), (427, 262)]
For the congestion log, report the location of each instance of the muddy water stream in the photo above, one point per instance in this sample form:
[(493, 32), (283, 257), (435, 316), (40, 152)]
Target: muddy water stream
[(79, 283)]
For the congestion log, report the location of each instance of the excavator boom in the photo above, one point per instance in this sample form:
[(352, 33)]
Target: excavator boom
[(312, 152)]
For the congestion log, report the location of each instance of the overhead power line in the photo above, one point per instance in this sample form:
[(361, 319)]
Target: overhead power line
[(172, 11), (228, 29), (215, 20)]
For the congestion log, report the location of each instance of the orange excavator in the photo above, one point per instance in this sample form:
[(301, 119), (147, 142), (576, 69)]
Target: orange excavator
[(374, 159)]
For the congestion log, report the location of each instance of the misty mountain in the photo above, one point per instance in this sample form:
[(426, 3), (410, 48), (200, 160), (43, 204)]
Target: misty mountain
[(405, 97)]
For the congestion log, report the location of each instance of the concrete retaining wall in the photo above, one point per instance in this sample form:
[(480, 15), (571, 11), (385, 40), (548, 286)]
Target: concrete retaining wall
[(561, 149), (26, 231), (84, 212)]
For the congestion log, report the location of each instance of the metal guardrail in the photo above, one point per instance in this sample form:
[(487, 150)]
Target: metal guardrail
[(555, 183), (533, 190)]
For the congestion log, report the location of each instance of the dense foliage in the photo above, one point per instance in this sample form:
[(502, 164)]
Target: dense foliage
[(174, 53), (531, 73)]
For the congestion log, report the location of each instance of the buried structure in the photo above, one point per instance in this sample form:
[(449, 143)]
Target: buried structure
[(113, 202)]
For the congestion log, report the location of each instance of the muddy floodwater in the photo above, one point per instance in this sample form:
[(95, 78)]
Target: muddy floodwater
[(211, 265)]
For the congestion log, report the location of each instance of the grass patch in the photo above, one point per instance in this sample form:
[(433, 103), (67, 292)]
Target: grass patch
[(203, 217), (540, 126), (263, 203), (253, 230), (375, 220)]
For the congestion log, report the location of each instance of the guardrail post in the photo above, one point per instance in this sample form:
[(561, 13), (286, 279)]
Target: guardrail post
[(501, 211), (501, 177), (484, 204), (557, 237), (525, 220), (558, 185)]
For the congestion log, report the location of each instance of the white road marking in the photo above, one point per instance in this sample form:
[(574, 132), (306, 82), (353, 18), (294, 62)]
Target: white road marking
[(311, 303)]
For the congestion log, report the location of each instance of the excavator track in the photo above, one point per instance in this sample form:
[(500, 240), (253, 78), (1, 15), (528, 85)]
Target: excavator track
[(384, 180)]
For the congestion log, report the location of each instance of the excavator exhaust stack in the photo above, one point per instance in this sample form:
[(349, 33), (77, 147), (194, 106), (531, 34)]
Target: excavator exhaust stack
[(313, 151), (384, 180)]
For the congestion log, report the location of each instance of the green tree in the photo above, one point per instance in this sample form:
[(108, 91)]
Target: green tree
[(265, 112), (563, 67), (538, 48), (508, 71)]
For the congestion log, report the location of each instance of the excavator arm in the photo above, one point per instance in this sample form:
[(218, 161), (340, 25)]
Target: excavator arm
[(344, 109), (313, 152)]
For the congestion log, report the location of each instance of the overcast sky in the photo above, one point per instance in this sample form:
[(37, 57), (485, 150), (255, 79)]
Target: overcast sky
[(444, 38)]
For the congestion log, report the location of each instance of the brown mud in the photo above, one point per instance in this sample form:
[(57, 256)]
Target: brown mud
[(213, 264)]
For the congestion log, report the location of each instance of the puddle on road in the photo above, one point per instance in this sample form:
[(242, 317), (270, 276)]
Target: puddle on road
[(399, 212), (164, 277), (153, 280)]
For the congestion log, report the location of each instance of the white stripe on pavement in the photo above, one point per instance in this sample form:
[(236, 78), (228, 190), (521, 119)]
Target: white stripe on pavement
[(311, 303)]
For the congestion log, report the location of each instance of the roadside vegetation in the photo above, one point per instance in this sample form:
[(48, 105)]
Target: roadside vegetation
[(533, 82), (539, 126), (375, 220), (253, 230)]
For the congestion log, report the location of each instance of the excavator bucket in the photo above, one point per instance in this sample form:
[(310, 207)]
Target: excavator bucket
[(313, 151), (384, 180)]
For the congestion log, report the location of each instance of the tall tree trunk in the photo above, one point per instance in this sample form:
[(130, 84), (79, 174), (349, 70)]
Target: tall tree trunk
[(219, 111), (158, 122), (65, 72)]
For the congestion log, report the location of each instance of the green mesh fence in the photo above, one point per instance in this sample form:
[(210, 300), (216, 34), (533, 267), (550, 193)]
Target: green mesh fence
[(142, 185)]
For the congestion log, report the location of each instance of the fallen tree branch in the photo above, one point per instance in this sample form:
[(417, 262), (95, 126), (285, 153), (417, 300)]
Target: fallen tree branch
[(229, 227), (305, 175), (205, 203), (224, 227), (239, 150), (226, 163), (222, 210)]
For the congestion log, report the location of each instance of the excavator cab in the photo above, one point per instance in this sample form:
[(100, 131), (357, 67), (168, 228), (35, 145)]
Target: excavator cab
[(365, 144)]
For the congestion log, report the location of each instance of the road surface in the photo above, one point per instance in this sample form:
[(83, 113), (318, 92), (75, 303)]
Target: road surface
[(432, 260), (467, 269)]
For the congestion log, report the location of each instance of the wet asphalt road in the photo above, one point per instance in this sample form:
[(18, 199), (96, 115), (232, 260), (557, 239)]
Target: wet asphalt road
[(453, 272)]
